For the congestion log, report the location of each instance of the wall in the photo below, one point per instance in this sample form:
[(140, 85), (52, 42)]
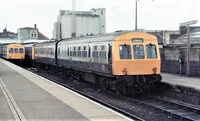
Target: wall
[(57, 31), (102, 19), (84, 25), (170, 60)]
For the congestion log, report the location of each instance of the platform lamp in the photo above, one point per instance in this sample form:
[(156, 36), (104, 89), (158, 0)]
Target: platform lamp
[(187, 24), (136, 4)]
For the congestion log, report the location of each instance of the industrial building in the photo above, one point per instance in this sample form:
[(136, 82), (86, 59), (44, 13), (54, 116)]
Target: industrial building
[(79, 23)]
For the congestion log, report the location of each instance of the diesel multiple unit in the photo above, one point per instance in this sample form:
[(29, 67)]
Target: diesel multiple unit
[(121, 61)]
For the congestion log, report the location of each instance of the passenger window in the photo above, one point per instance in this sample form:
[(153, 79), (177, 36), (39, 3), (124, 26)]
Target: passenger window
[(151, 51), (79, 52), (125, 51), (74, 52), (11, 50), (138, 51), (95, 53), (84, 53), (15, 50), (103, 52), (21, 50)]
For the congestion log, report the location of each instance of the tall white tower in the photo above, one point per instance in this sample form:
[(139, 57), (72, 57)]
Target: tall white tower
[(74, 18), (102, 14)]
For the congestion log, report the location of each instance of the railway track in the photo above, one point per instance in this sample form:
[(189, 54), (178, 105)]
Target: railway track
[(177, 109)]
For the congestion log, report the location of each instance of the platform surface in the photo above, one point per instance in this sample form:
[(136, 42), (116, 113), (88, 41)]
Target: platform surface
[(181, 80), (36, 98)]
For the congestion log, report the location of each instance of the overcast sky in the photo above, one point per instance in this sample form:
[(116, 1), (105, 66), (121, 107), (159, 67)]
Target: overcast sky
[(156, 14)]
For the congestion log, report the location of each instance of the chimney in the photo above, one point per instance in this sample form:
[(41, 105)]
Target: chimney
[(35, 26)]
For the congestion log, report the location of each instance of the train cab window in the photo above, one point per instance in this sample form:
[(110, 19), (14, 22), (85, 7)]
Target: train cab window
[(125, 51), (15, 50), (138, 51), (11, 50), (151, 51), (21, 50)]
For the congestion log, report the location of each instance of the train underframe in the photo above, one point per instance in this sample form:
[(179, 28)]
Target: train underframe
[(119, 84)]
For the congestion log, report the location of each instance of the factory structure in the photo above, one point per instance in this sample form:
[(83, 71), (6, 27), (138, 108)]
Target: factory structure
[(79, 23)]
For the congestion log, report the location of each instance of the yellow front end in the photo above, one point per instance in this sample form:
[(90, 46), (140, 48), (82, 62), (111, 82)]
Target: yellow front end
[(16, 56), (136, 53), (15, 52)]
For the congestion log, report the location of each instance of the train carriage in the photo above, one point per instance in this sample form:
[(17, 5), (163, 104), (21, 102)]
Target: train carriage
[(45, 53), (12, 51)]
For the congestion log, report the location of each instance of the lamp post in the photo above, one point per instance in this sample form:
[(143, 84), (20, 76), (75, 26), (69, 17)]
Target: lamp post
[(136, 14), (187, 24), (136, 3)]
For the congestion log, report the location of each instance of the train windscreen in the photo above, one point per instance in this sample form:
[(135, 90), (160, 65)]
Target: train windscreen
[(138, 51), (125, 52), (151, 51)]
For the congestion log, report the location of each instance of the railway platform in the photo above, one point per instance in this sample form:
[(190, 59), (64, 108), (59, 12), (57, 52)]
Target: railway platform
[(27, 96), (175, 79)]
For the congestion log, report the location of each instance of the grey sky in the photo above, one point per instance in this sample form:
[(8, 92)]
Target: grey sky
[(157, 14)]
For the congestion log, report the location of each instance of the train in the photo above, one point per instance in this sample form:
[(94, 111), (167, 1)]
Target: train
[(123, 61), (12, 51)]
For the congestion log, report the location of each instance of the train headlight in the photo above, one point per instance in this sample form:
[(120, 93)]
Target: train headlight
[(154, 69)]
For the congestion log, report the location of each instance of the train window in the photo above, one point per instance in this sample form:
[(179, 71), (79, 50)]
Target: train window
[(102, 47), (71, 51), (85, 48), (74, 52), (21, 50), (89, 54), (95, 53), (15, 50), (95, 47), (125, 51), (67, 51), (151, 51), (52, 51), (84, 52), (103, 52), (138, 51), (79, 52), (11, 50)]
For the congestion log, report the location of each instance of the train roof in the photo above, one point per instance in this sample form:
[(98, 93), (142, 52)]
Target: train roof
[(101, 37)]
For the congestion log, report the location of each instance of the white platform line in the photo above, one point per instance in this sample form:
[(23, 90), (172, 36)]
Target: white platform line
[(18, 115)]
